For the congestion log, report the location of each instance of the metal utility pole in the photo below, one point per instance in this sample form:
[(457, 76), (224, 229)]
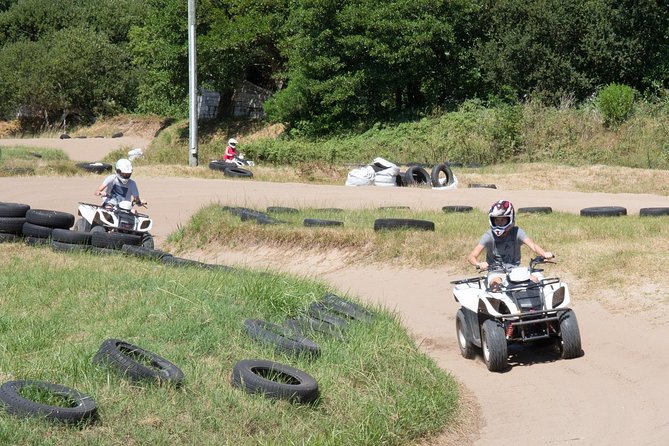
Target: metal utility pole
[(192, 86)]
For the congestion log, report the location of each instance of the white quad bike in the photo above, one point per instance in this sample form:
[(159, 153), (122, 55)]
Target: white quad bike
[(521, 311), (117, 218), (240, 161)]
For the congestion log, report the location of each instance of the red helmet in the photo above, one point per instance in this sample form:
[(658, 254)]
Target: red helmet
[(501, 208)]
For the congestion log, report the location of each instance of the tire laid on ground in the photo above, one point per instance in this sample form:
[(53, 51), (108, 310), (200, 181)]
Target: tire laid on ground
[(80, 407), (13, 209), (281, 210), (603, 211), (570, 336), (12, 225), (114, 240), (142, 251), (403, 223), (311, 222), (326, 316), (457, 208), (394, 208), (481, 185), (306, 324), (416, 176), (493, 344), (129, 360), (258, 217), (9, 238), (653, 212), (68, 247), (36, 231), (237, 172), (339, 306), (437, 171), (73, 237), (274, 380), (52, 219), (95, 167), (281, 337), (330, 210), (219, 165), (467, 349), (535, 210)]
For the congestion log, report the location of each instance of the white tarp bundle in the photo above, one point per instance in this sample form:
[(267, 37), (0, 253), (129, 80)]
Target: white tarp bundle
[(363, 176)]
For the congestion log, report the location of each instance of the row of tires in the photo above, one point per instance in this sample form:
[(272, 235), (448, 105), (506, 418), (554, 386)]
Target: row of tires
[(268, 378)]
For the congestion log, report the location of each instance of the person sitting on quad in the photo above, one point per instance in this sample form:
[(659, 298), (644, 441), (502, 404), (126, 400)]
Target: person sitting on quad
[(119, 187), (502, 244), (230, 151)]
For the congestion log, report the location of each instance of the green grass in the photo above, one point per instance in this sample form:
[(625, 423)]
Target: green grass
[(376, 387), (34, 161)]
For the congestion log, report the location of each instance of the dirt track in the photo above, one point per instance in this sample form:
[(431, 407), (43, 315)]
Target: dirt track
[(614, 395)]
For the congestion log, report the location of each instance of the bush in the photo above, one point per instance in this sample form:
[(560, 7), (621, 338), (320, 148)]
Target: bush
[(615, 103)]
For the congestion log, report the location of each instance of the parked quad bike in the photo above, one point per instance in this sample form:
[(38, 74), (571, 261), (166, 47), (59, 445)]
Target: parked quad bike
[(521, 311), (117, 218)]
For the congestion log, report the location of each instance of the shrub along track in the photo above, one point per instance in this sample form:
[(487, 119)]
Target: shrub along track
[(614, 394)]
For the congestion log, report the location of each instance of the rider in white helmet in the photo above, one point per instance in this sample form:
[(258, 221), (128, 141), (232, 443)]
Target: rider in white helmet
[(502, 243), (119, 187), (230, 150)]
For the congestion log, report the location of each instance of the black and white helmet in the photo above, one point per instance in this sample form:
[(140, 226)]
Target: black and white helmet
[(501, 208)]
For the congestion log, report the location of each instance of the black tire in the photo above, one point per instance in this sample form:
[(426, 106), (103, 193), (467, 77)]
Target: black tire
[(36, 231), (281, 210), (467, 349), (81, 225), (12, 225), (493, 344), (52, 219), (142, 251), (181, 262), (339, 306), (307, 324), (603, 211), (653, 212), (570, 336), (103, 251), (130, 362), (480, 185), (64, 136), (311, 222), (402, 223), (535, 210), (437, 171), (95, 167), (330, 210), (237, 172), (13, 209), (68, 247), (394, 208), (416, 176), (113, 240), (457, 208), (282, 338), (72, 237), (258, 217), (219, 165), (320, 313), (146, 240), (80, 407), (274, 380), (10, 238), (117, 135), (97, 229)]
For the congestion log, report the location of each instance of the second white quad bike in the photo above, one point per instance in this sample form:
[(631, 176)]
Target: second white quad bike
[(521, 311), (117, 218)]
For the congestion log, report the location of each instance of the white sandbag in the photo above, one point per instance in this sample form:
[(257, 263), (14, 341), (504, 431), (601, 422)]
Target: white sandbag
[(363, 176), (453, 185), (385, 180)]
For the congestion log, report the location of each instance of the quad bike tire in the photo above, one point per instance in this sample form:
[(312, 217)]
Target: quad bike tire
[(493, 344), (437, 171), (130, 361), (570, 336), (402, 223), (282, 338), (275, 380), (49, 218), (80, 408), (13, 209), (467, 348)]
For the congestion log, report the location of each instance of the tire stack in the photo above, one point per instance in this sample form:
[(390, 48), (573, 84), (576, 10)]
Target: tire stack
[(230, 169), (40, 224), (12, 218)]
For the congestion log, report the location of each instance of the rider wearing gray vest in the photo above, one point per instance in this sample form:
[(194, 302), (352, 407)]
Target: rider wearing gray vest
[(502, 244)]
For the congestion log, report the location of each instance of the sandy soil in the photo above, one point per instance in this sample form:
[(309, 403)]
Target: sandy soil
[(614, 395), (81, 149)]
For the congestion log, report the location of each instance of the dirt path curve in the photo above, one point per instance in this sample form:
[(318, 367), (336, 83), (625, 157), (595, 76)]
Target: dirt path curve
[(614, 395)]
